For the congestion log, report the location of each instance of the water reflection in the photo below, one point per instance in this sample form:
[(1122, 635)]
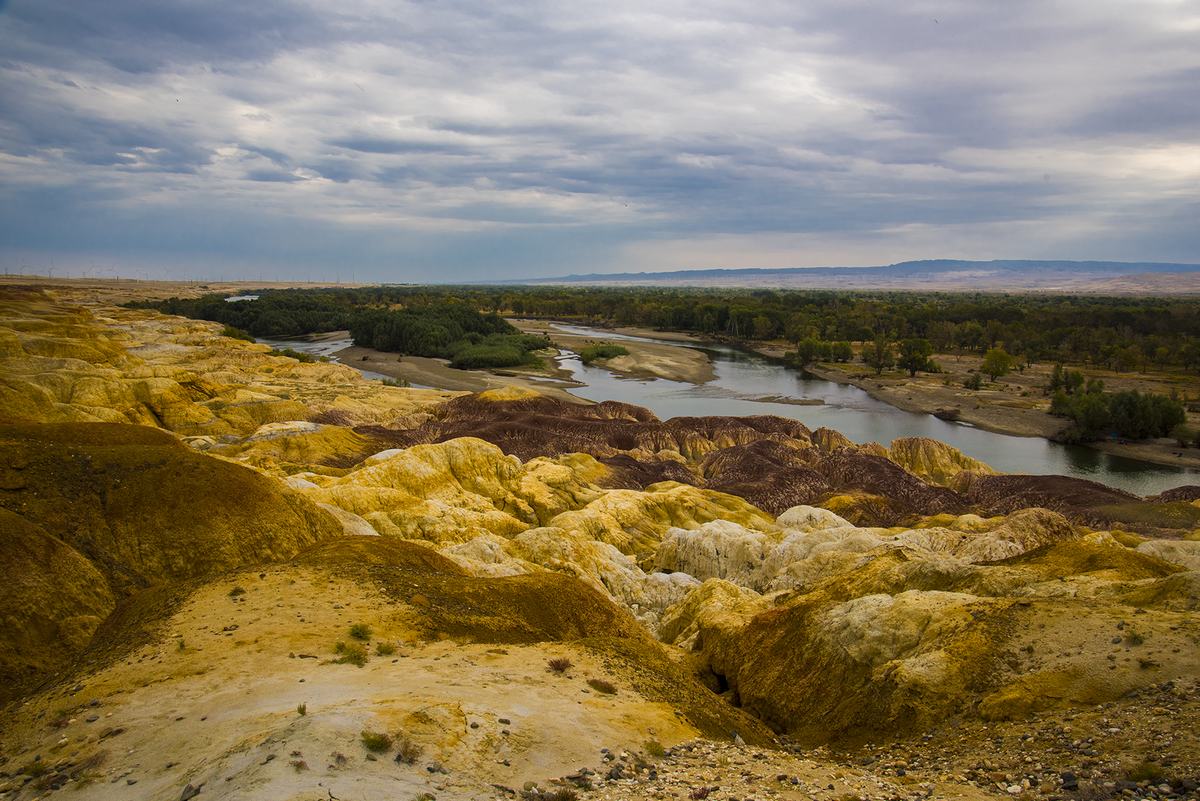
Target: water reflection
[(326, 348)]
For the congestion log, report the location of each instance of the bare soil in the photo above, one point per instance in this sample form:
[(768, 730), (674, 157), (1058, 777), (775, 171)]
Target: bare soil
[(645, 359)]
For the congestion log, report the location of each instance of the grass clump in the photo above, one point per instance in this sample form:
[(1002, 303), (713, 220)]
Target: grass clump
[(559, 664), (603, 351), (376, 742), (360, 631), (236, 591), (302, 709), (655, 749), (351, 654), (1146, 771), (407, 751), (384, 649), (602, 686)]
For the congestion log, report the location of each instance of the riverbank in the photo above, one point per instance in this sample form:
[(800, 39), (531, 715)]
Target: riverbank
[(1015, 405), (437, 373), (644, 360)]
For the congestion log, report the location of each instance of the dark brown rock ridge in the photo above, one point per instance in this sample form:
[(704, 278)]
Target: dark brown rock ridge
[(776, 463)]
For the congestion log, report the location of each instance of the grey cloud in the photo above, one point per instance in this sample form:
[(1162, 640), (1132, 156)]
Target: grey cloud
[(381, 145), (714, 118)]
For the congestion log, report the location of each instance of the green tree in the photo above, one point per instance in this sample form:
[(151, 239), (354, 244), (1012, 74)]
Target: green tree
[(914, 355), (878, 355), (764, 327), (807, 352), (1128, 358), (1184, 435), (996, 363)]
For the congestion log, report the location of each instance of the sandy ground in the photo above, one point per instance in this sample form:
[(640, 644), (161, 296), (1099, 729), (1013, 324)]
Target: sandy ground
[(645, 359), (215, 704), (437, 373)]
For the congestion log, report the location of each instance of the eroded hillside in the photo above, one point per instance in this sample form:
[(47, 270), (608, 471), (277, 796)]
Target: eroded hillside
[(228, 569)]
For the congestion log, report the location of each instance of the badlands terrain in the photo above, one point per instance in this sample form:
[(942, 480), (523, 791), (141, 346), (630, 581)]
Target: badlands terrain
[(229, 574)]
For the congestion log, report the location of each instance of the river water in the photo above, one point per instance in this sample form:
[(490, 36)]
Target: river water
[(743, 376), (321, 347)]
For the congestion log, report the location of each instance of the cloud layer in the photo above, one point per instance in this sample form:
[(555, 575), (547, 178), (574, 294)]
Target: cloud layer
[(468, 140)]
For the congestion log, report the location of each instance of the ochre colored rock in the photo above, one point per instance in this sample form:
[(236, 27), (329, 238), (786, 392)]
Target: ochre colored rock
[(936, 462)]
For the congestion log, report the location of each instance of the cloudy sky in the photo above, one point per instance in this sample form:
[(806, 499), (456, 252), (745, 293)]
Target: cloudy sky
[(471, 140)]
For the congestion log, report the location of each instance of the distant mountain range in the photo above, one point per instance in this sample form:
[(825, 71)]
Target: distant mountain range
[(933, 274)]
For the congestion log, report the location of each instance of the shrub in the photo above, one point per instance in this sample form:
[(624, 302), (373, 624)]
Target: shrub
[(407, 751), (351, 654), (497, 350), (236, 591), (233, 332), (384, 649), (655, 749), (973, 381), (559, 664), (360, 631), (291, 353), (376, 742), (604, 351), (602, 686)]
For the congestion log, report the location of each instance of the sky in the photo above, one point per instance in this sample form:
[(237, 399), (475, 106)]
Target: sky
[(442, 141)]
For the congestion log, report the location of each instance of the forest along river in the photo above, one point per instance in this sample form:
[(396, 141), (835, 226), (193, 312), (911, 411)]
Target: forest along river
[(744, 379)]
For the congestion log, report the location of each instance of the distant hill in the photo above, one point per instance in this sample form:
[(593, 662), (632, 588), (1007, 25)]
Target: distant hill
[(944, 274)]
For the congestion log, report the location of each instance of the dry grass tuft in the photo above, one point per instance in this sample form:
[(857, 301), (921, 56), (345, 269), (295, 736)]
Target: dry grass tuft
[(376, 742), (602, 686)]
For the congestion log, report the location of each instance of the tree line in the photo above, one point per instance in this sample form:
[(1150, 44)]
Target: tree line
[(1117, 333), (435, 325)]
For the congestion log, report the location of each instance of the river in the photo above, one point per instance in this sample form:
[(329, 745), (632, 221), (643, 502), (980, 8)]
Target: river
[(743, 376)]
